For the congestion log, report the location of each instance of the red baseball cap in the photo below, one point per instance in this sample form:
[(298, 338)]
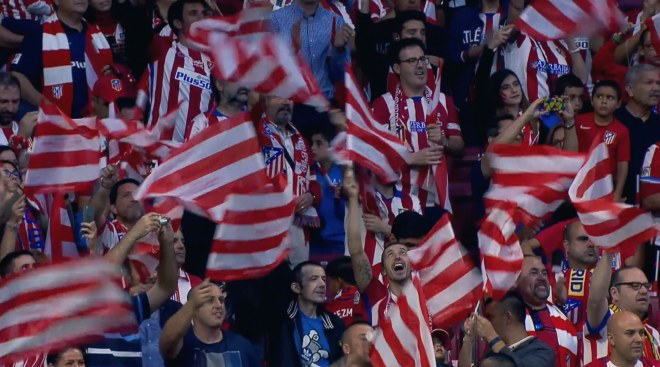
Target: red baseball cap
[(443, 335), (110, 87)]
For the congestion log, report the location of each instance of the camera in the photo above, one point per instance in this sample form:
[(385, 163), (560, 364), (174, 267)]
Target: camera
[(163, 220)]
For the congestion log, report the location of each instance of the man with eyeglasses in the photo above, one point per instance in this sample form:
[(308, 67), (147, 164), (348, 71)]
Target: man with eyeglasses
[(545, 320), (628, 288), (428, 137)]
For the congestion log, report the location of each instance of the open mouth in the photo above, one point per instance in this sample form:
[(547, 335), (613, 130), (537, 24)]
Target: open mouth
[(398, 266), (419, 73)]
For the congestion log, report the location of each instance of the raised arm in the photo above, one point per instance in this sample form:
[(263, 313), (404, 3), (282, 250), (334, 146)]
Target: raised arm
[(101, 199), (361, 265), (168, 272), (143, 227), (597, 305)]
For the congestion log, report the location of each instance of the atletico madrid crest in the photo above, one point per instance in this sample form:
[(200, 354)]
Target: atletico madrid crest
[(116, 84), (57, 91), (609, 137)]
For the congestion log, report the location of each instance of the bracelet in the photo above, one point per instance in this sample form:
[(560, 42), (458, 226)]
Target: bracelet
[(494, 341), (568, 127), (614, 39), (575, 50), (14, 226)]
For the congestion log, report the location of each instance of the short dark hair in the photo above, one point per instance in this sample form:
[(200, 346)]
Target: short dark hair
[(8, 80), (344, 335), (494, 124), (54, 358), (5, 148), (7, 262), (608, 84), (410, 224), (176, 12), (298, 270), (513, 302), (617, 277), (388, 245), (11, 164), (341, 268), (405, 16), (400, 45), (115, 189), (567, 81), (500, 360)]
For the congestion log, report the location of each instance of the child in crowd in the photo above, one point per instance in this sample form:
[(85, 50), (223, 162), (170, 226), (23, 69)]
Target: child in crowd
[(601, 125), (571, 86)]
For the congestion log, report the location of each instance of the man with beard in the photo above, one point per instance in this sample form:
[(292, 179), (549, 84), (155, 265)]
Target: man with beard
[(626, 341), (117, 197), (287, 155), (10, 96), (643, 87), (545, 320), (230, 99), (308, 335), (628, 288)]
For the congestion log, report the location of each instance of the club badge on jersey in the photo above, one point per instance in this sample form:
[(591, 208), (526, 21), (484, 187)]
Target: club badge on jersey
[(57, 91), (609, 137)]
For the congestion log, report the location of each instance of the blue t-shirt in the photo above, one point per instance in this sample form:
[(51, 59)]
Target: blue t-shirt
[(29, 62), (232, 351), (314, 348), (331, 210)]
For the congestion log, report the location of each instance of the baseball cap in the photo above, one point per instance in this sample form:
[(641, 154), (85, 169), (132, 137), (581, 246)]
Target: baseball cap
[(110, 88), (443, 335)]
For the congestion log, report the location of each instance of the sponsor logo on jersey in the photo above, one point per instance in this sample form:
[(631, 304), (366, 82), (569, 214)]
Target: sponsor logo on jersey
[(549, 68), (417, 126), (17, 59), (193, 78), (78, 64), (646, 172)]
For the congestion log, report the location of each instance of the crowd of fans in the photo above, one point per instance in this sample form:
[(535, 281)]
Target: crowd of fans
[(571, 305)]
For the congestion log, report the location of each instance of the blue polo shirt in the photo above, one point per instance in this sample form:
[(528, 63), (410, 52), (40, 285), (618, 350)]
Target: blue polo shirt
[(121, 350), (29, 62)]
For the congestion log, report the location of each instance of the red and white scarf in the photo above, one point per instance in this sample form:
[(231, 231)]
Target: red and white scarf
[(58, 76), (566, 335)]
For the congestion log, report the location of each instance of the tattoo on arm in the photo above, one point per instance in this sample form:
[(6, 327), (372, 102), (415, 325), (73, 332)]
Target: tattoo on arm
[(365, 271)]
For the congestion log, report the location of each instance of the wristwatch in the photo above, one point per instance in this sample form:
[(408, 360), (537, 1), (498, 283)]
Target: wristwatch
[(568, 127)]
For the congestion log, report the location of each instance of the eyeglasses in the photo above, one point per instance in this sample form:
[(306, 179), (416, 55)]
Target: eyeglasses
[(12, 174), (637, 285), (414, 60)]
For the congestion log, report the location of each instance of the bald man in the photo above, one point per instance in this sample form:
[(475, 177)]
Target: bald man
[(625, 336), (355, 345)]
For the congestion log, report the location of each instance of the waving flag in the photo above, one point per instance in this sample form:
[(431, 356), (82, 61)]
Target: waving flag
[(246, 53), (252, 237), (60, 240), (501, 254), (404, 337), (608, 224), (61, 305), (536, 178), (653, 25), (451, 282), (369, 143), (206, 169), (61, 158), (562, 19)]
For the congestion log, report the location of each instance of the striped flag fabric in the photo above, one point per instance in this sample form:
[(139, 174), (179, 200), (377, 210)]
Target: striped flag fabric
[(501, 254), (369, 143), (608, 224), (245, 52), (61, 158), (536, 178), (61, 305), (206, 169), (252, 237), (60, 239), (404, 337), (451, 282), (563, 19), (439, 171), (653, 25)]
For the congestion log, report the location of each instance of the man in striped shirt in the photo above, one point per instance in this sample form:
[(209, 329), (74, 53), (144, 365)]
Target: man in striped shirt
[(230, 99)]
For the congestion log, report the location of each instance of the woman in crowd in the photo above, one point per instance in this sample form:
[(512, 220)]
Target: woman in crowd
[(111, 17)]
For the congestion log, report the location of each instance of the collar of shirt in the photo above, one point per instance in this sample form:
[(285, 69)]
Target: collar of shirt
[(183, 275), (297, 10), (287, 132), (68, 29), (517, 344)]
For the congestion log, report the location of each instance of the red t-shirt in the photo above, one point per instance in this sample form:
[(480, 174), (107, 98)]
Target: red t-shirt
[(349, 306), (615, 135)]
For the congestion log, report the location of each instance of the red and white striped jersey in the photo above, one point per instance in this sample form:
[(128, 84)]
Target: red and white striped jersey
[(8, 132), (537, 64), (179, 76), (544, 323), (596, 345), (388, 209), (185, 283), (25, 9), (491, 23), (407, 118), (111, 234), (649, 181)]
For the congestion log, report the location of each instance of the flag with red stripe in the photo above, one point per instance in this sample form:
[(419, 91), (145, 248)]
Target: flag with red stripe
[(440, 170), (252, 237), (536, 178), (60, 239), (501, 254), (653, 25), (369, 143), (61, 305), (564, 19), (451, 282), (608, 223), (206, 169), (247, 53), (404, 337), (61, 158)]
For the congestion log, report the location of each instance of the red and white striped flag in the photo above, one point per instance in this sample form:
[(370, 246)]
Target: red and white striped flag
[(252, 237), (563, 19), (501, 254), (439, 171), (451, 282), (404, 337), (247, 53), (536, 178), (653, 25), (428, 7), (61, 158), (61, 305), (607, 223), (206, 169), (60, 239), (369, 143)]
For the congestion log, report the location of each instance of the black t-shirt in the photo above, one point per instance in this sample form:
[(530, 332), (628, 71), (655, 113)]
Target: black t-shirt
[(232, 351)]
